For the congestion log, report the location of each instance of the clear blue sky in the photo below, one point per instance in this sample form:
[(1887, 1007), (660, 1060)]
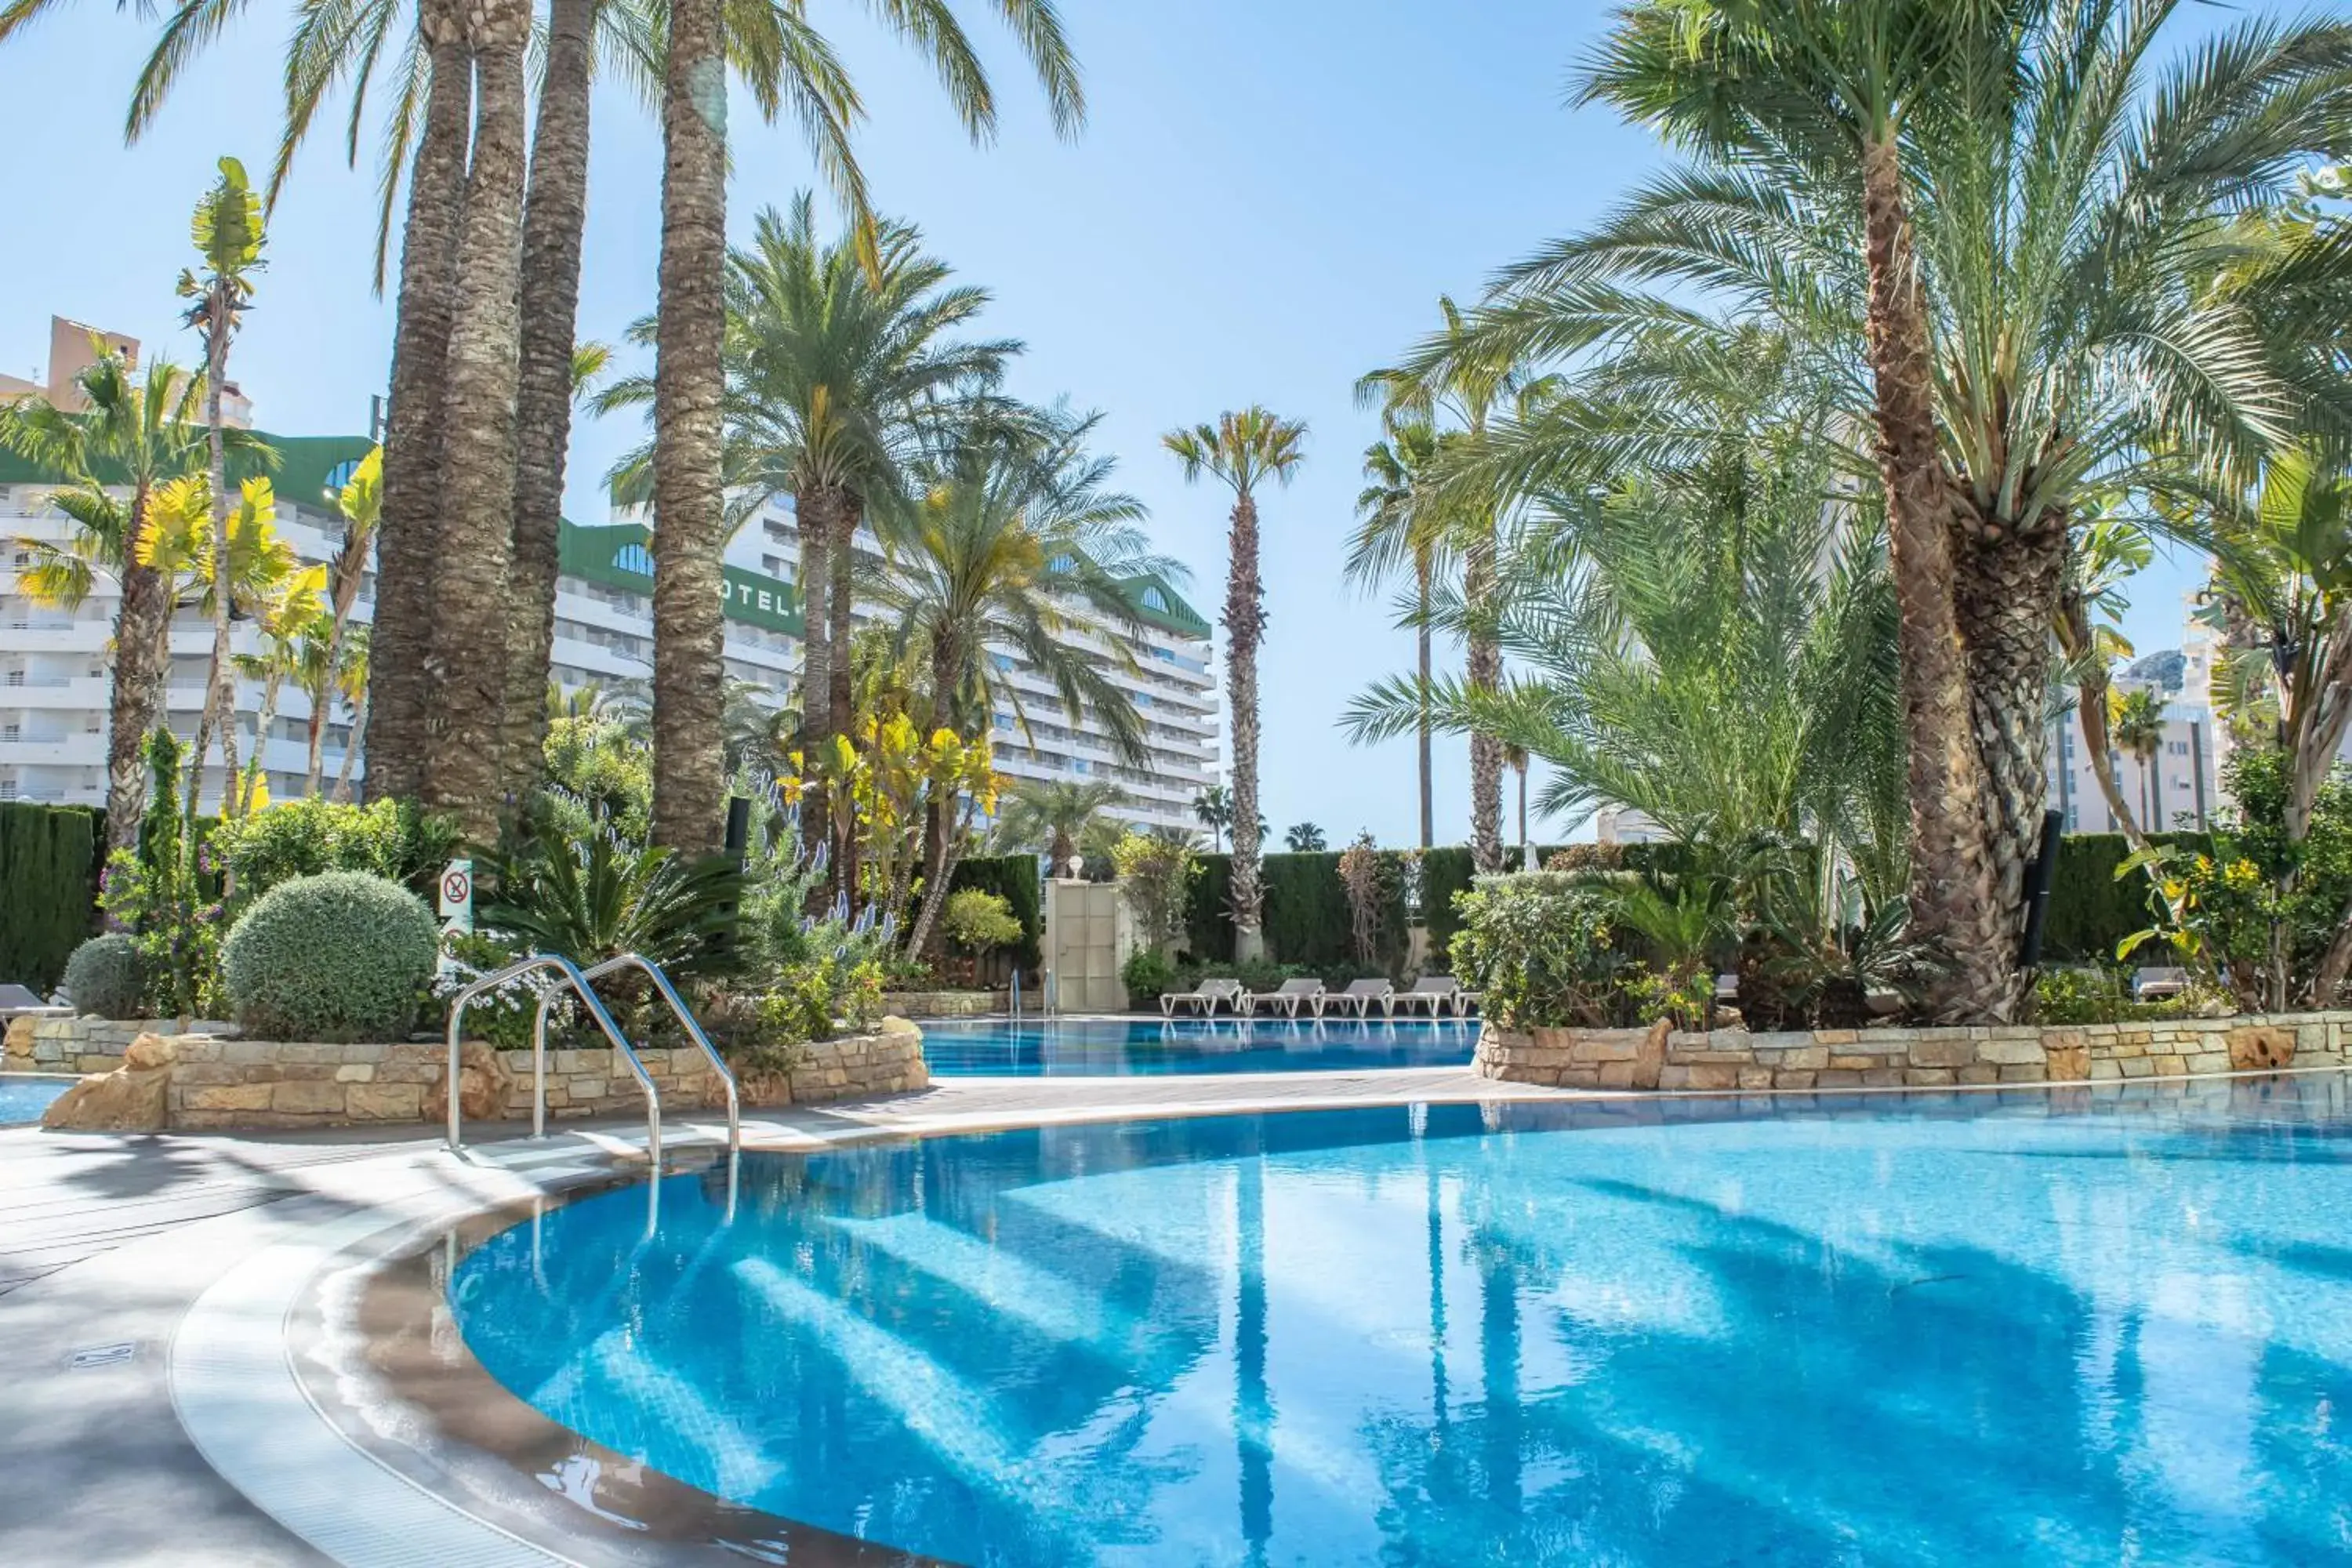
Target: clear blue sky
[(1266, 201)]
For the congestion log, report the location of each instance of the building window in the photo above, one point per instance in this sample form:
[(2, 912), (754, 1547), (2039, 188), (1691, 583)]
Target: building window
[(1154, 599)]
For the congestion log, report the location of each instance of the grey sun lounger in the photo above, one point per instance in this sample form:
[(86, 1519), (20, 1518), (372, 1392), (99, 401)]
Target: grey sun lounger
[(1203, 999), (1288, 997), (1362, 995), (1437, 994)]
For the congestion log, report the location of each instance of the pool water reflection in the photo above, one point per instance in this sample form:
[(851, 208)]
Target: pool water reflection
[(2092, 1326), (1057, 1048)]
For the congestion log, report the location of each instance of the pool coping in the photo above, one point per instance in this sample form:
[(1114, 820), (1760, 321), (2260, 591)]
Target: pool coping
[(236, 1393)]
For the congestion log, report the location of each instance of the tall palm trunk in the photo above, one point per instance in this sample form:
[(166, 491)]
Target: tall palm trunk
[(398, 694), (1245, 623), (2008, 588), (468, 662), (555, 218), (1478, 586), (142, 657), (322, 700), (689, 522), (272, 686), (351, 750), (1953, 880), (939, 811), (220, 687), (1422, 639), (814, 507), (839, 606)]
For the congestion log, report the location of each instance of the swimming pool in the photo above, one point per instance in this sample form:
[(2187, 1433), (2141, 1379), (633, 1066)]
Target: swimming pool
[(23, 1100), (2090, 1327), (1056, 1047)]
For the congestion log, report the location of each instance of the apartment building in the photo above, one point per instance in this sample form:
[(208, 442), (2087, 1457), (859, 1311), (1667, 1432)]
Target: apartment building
[(603, 635), (54, 663)]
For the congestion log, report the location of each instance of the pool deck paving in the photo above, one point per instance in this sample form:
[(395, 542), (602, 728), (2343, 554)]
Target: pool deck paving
[(107, 1243)]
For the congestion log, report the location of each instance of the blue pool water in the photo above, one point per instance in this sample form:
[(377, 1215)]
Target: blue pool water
[(956, 1047), (2095, 1328), (24, 1099)]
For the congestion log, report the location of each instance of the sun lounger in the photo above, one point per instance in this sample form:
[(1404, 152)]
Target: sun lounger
[(1436, 995), (1362, 995), (1203, 999), (1288, 998)]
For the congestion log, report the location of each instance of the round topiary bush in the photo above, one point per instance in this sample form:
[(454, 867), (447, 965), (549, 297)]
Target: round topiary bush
[(105, 975), (341, 956)]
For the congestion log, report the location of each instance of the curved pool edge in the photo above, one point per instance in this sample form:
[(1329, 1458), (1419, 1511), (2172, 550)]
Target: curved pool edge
[(246, 1371)]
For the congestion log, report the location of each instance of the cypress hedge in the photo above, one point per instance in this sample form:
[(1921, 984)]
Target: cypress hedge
[(2090, 909), (1014, 878), (49, 859), (1445, 871)]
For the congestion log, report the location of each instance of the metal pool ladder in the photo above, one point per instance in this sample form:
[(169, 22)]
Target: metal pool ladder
[(578, 981)]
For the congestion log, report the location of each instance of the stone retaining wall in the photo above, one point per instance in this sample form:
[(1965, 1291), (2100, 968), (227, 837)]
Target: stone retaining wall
[(79, 1044), (208, 1082), (1849, 1058), (943, 1003)]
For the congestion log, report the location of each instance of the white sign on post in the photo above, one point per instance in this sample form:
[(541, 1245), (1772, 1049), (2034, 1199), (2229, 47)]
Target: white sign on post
[(456, 905)]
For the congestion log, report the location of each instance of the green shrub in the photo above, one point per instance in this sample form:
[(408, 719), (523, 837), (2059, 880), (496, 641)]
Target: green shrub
[(107, 976), (389, 838), (1014, 879), (1538, 950), (344, 956), (980, 920), (1148, 976), (1208, 934)]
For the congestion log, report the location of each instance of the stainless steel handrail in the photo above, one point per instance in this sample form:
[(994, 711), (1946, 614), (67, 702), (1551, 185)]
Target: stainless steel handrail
[(579, 983), (685, 1019)]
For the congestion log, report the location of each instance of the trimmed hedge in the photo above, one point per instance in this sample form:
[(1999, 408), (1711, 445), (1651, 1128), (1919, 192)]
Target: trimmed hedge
[(1015, 877), (1307, 920), (2090, 911), (50, 859)]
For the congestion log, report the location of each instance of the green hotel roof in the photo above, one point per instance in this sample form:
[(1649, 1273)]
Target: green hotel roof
[(614, 555)]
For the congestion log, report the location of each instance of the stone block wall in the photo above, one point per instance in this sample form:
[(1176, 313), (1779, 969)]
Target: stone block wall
[(1875, 1059), (79, 1044), (944, 1004), (208, 1082)]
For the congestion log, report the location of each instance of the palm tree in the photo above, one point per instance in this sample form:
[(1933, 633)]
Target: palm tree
[(1394, 526), (1215, 807), (1057, 815), (291, 622), (182, 543), (1015, 542), (228, 238), (836, 373), (1243, 450), (2105, 550), (1515, 757), (1644, 613), (689, 371), (360, 501), (352, 686), (2137, 720), (1470, 385), (139, 435), (1304, 838), (399, 686), (1852, 199)]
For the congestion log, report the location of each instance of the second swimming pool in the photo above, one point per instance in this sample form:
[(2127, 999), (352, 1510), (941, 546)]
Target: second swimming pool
[(1054, 1048)]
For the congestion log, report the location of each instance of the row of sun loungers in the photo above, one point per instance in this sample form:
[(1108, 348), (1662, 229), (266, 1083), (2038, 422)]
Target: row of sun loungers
[(1433, 995)]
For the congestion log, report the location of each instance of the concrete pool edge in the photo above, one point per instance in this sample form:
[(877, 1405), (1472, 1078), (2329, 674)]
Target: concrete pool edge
[(253, 1317)]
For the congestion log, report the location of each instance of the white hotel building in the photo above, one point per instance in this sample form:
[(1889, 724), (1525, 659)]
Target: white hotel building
[(54, 663)]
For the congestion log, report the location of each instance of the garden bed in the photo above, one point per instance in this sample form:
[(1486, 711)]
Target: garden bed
[(211, 1082), (1924, 1058)]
